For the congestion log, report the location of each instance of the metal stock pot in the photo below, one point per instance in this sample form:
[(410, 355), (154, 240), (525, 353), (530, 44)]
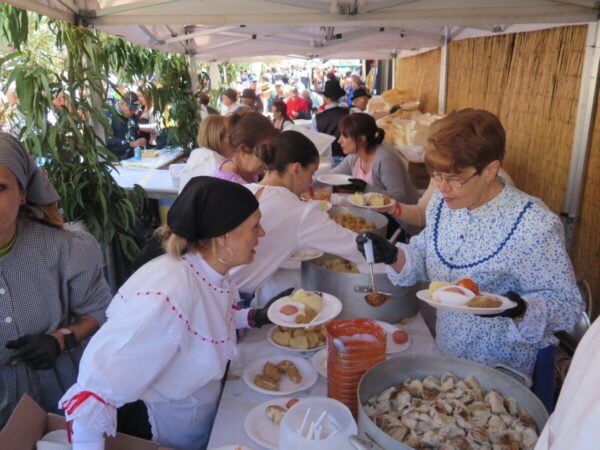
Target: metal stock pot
[(351, 288), (396, 370), (379, 220)]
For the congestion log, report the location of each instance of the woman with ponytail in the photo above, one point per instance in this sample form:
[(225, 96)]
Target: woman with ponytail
[(373, 166), (290, 224)]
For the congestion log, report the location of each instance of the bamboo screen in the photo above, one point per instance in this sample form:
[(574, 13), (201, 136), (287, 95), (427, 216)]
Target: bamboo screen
[(586, 251), (421, 75), (531, 81)]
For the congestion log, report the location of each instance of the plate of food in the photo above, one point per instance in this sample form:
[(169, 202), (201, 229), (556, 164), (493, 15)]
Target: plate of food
[(279, 375), (334, 179), (305, 254), (371, 200), (397, 340), (303, 309), (298, 339), (319, 362), (464, 297), (262, 422)]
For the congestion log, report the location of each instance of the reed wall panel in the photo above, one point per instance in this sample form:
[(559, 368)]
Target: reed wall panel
[(421, 75), (531, 81)]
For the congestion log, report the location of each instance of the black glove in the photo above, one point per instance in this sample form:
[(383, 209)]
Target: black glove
[(37, 351), (259, 315), (383, 250), (355, 185), (394, 108), (513, 313)]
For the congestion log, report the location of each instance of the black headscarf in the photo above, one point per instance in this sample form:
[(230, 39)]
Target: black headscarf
[(209, 207)]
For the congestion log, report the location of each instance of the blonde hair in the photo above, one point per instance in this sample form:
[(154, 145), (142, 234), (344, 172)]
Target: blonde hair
[(211, 133), (177, 246)]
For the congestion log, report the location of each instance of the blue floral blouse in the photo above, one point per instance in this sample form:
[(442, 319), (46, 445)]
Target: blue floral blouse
[(513, 242)]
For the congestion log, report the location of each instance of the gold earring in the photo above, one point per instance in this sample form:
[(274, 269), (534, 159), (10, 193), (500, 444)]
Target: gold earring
[(231, 256)]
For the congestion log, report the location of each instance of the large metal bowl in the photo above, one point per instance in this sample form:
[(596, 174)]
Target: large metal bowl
[(351, 289), (379, 220), (396, 370)]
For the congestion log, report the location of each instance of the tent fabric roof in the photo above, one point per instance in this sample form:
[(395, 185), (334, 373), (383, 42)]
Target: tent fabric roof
[(233, 29)]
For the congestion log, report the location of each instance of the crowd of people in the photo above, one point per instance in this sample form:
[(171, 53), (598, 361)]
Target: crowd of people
[(160, 347)]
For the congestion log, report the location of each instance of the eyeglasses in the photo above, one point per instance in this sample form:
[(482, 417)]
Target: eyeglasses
[(452, 182)]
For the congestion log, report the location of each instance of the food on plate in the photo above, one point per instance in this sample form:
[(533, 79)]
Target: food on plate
[(291, 402), (293, 373), (453, 295), (300, 338), (324, 205), (289, 310), (484, 301), (312, 305), (372, 199), (469, 284), (270, 370), (435, 285), (264, 382), (355, 223), (275, 413), (450, 413), (270, 377), (339, 265), (400, 337), (150, 153)]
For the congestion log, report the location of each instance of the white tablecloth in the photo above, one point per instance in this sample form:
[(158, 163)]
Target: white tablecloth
[(165, 156), (157, 182), (238, 399)]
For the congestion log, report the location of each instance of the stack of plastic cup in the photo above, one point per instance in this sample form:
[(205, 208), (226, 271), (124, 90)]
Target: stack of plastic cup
[(353, 346)]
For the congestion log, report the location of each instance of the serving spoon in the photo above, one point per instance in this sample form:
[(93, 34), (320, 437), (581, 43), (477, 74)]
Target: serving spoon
[(373, 298)]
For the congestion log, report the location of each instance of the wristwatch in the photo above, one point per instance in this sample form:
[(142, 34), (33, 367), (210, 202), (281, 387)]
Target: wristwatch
[(70, 339)]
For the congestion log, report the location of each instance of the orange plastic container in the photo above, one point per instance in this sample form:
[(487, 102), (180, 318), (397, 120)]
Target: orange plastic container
[(353, 346)]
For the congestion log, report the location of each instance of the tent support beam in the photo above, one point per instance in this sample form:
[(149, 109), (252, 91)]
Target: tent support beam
[(408, 18), (583, 126), (132, 6), (199, 33), (54, 13), (442, 91)]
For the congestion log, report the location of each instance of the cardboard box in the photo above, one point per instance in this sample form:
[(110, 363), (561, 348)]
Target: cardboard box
[(29, 423)]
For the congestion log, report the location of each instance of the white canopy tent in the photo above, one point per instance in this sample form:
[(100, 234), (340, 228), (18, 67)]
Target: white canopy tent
[(374, 29)]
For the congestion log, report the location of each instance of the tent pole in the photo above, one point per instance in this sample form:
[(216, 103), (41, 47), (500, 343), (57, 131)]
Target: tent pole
[(583, 126), (442, 91), (193, 75)]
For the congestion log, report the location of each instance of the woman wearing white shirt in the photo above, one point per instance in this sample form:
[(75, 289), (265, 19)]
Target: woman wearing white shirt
[(214, 149), (290, 224), (171, 327)]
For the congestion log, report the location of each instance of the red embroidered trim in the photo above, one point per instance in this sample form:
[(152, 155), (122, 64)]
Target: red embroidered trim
[(181, 316), (201, 276), (75, 402)]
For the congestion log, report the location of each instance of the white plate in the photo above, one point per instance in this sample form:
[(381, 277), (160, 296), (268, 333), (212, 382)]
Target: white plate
[(319, 362), (351, 201), (286, 387), (270, 339), (260, 428), (391, 346), (506, 304), (331, 308), (334, 179), (305, 254)]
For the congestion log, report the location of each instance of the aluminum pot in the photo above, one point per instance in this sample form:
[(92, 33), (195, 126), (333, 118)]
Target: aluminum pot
[(396, 370), (379, 220), (351, 289)]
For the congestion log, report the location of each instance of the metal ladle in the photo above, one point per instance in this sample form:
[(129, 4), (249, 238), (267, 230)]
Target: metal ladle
[(373, 298)]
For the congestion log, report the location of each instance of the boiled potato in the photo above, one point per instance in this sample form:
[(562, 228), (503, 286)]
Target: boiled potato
[(313, 339), (298, 332), (299, 342), (282, 337)]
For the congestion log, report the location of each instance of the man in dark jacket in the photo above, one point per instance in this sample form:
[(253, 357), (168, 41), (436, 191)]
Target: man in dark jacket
[(124, 126), (327, 121)]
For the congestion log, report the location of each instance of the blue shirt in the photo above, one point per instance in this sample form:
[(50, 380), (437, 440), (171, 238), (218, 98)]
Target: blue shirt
[(513, 242)]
